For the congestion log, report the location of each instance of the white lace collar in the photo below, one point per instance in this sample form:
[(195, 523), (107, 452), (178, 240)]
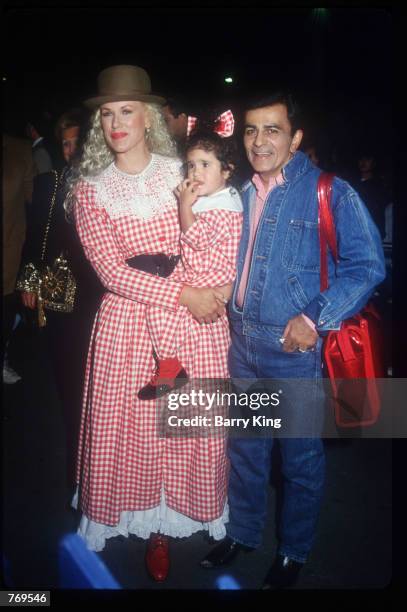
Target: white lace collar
[(135, 176), (142, 195)]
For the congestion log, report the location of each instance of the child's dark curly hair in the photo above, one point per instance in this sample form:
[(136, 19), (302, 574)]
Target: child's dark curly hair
[(224, 149)]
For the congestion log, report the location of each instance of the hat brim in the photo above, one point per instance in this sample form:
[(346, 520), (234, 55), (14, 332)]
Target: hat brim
[(99, 100)]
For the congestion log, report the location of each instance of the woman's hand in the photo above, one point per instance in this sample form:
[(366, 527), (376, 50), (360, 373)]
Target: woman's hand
[(29, 299), (226, 291), (205, 304)]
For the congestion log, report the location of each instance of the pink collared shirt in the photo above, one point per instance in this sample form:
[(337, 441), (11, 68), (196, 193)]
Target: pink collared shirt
[(261, 196)]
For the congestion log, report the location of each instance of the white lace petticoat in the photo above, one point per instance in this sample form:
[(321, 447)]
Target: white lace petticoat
[(142, 523)]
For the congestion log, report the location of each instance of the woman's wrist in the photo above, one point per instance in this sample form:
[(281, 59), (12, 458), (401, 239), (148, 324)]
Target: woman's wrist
[(181, 295)]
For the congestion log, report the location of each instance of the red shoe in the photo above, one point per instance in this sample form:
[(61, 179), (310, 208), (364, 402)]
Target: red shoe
[(170, 375), (157, 558)]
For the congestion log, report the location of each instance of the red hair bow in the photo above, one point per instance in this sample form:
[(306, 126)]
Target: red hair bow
[(191, 124), (224, 124)]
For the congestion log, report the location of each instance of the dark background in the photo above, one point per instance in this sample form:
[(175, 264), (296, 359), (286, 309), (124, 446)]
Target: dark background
[(337, 60)]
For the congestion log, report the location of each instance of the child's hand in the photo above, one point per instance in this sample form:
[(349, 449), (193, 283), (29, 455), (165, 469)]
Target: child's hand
[(187, 192)]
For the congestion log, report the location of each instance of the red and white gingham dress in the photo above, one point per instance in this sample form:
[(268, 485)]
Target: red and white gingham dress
[(124, 469), (209, 251)]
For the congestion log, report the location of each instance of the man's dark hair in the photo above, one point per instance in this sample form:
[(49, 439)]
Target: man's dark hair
[(279, 97), (42, 122), (224, 149)]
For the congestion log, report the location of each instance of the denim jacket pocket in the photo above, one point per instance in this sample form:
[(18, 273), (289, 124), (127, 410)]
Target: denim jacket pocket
[(296, 294), (301, 246)]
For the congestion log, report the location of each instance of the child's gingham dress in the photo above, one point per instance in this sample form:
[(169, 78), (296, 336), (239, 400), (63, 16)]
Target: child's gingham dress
[(131, 480), (209, 251)]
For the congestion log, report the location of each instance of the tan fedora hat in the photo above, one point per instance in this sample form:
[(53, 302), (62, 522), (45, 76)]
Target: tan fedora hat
[(123, 82)]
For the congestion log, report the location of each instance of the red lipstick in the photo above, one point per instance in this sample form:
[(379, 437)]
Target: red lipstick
[(117, 135)]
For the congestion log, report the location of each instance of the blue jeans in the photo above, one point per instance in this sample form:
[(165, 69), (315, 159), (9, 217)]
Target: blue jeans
[(303, 462)]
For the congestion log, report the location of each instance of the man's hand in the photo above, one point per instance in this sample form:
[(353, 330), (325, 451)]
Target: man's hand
[(29, 299), (298, 335), (205, 304)]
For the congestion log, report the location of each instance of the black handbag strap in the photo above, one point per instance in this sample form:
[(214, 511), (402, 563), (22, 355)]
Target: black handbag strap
[(51, 210)]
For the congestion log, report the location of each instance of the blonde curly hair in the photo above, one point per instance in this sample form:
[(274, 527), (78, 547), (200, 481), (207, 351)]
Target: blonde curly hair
[(97, 155)]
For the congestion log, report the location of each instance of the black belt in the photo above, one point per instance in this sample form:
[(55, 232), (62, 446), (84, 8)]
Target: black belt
[(157, 264)]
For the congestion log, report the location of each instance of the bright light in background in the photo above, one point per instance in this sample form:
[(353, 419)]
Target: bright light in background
[(4, 78), (228, 79)]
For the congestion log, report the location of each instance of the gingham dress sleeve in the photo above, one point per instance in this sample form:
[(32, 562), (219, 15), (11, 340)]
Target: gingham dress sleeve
[(100, 246), (209, 247)]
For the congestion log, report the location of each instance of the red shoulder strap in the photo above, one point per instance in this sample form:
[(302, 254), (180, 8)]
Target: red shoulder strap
[(327, 235)]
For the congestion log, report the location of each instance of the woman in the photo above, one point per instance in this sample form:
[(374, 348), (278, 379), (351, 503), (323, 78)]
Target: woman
[(48, 236), (131, 480)]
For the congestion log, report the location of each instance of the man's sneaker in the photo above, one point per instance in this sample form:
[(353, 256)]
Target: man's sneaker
[(170, 375), (9, 375)]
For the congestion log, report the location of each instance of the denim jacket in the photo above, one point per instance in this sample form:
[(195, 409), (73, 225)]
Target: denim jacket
[(284, 276)]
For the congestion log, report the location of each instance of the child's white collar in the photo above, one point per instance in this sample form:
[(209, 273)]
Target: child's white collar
[(225, 199)]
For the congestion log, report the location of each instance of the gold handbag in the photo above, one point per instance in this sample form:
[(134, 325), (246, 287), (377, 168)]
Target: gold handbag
[(56, 289), (54, 284)]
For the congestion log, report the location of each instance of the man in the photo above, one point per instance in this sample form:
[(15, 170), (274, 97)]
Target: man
[(178, 119), (278, 317), (41, 147)]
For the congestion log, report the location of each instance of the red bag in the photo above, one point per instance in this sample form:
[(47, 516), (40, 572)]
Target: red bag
[(353, 356)]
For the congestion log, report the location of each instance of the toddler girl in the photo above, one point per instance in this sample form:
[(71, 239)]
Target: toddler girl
[(210, 213)]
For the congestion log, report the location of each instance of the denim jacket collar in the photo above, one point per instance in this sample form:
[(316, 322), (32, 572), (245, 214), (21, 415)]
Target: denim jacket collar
[(299, 164)]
